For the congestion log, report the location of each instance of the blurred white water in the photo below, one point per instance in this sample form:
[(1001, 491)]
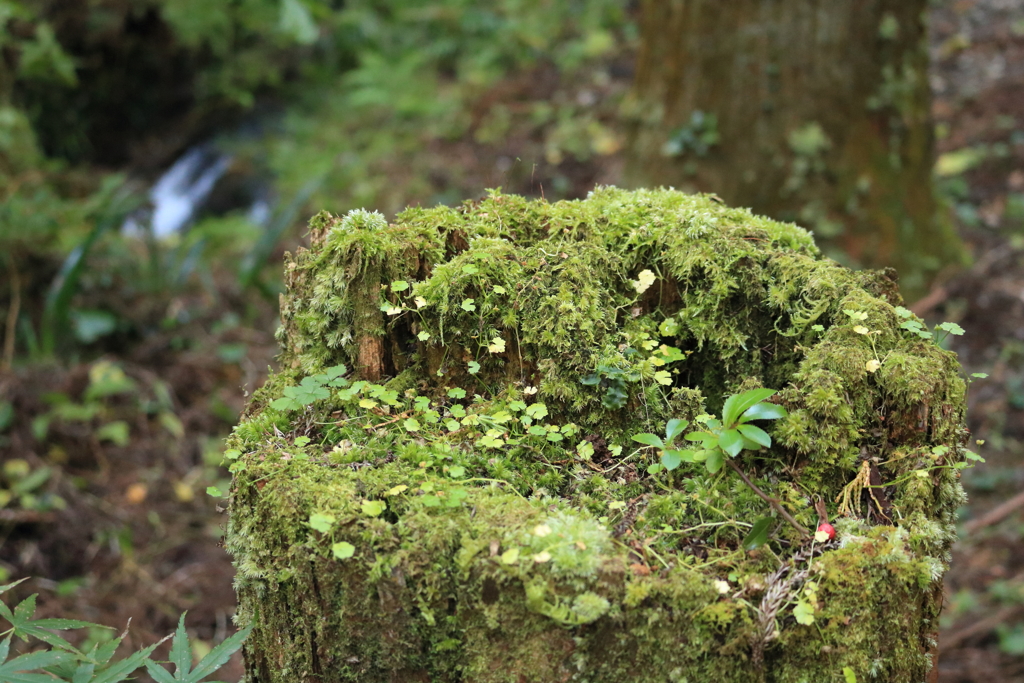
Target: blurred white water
[(181, 191)]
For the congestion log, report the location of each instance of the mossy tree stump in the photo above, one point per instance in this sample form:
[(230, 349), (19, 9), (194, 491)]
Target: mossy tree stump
[(441, 484)]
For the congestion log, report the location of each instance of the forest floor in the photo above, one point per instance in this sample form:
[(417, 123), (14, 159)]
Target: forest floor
[(138, 538)]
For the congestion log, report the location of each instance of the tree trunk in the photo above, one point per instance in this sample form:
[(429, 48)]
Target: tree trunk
[(486, 514), (811, 111)]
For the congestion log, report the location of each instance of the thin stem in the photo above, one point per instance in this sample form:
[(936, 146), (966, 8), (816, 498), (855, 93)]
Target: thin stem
[(774, 502)]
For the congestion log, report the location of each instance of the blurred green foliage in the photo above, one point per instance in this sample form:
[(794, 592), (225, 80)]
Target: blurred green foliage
[(346, 98)]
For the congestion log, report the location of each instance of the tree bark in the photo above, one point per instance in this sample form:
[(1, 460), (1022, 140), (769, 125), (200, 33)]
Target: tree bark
[(814, 111)]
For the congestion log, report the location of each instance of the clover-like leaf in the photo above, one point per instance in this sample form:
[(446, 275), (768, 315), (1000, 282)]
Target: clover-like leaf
[(804, 613), (374, 508), (343, 550), (322, 522)]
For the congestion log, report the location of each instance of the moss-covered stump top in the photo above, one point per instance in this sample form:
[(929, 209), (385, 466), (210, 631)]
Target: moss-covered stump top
[(442, 482)]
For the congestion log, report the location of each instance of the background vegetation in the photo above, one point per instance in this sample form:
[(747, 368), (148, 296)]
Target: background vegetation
[(127, 356)]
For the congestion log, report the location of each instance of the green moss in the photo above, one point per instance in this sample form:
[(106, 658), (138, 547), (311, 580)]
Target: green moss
[(477, 458)]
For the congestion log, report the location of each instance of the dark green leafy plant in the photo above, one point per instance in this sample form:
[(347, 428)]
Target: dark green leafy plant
[(62, 661), (311, 389), (920, 329), (721, 441), (613, 379), (181, 657), (697, 136)]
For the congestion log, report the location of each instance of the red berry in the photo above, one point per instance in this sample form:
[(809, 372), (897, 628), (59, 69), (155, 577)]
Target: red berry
[(828, 529)]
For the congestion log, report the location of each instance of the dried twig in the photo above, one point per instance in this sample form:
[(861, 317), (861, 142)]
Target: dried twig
[(981, 627), (996, 514), (774, 502)]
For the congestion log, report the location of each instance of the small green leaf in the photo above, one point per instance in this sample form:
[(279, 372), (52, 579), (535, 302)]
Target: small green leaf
[(731, 442), (764, 411), (674, 428), (804, 613), (979, 375), (343, 550), (214, 492), (171, 423), (321, 522), (707, 439), (456, 393), (510, 556), (649, 439), (654, 469), (115, 432), (715, 460), (671, 459), (374, 508), (903, 312), (456, 471), (423, 336), (537, 411), (411, 425), (737, 404), (285, 403), (755, 434), (399, 286), (952, 328), (848, 675), (335, 372), (758, 535), (468, 305), (470, 269), (473, 367)]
